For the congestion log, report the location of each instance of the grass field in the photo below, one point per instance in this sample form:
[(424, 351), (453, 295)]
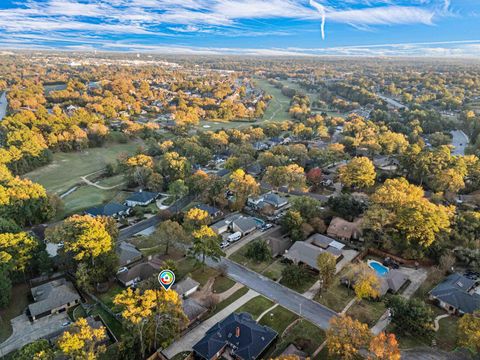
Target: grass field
[(277, 109), (66, 171), (256, 306)]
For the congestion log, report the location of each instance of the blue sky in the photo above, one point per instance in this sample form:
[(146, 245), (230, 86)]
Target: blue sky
[(254, 27)]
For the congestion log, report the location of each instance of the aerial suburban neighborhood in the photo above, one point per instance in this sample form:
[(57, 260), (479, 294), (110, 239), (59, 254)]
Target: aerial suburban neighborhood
[(192, 203)]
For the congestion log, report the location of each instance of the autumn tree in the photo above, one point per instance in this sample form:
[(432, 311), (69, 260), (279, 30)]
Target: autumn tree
[(469, 331), (17, 250), (358, 173), (37, 350), (195, 217), (243, 186), (82, 341), (314, 178), (346, 337), (206, 243), (364, 281), (400, 211), (326, 264), (384, 347)]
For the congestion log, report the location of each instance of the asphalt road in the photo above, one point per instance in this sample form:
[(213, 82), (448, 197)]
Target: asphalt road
[(153, 221), (293, 301)]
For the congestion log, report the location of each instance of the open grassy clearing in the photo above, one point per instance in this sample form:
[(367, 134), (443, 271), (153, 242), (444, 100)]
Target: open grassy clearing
[(309, 278), (67, 168), (256, 306), (277, 109), (337, 296), (367, 311), (231, 299), (222, 284), (18, 302)]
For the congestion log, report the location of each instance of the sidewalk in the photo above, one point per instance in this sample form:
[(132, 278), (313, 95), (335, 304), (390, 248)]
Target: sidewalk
[(186, 342)]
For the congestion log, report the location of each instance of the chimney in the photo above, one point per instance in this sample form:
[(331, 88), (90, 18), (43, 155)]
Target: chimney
[(237, 331)]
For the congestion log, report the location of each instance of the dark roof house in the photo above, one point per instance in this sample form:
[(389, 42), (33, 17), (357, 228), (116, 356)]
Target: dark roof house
[(141, 198), (127, 254), (110, 209), (238, 334), (245, 225), (136, 274), (457, 294), (212, 211)]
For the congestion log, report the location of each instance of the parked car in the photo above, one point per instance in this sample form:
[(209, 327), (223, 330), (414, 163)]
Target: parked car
[(224, 244), (66, 323), (267, 226), (234, 237), (122, 269)]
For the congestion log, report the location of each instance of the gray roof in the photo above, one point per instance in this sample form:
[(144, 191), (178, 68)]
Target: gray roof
[(320, 240), (246, 224), (278, 245), (52, 295), (109, 209), (275, 200), (142, 271), (185, 285), (193, 309), (307, 253), (456, 290), (211, 210), (142, 196), (393, 280), (128, 253)]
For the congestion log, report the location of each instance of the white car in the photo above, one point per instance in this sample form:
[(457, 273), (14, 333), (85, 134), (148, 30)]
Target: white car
[(122, 269), (224, 244), (66, 323), (234, 237)]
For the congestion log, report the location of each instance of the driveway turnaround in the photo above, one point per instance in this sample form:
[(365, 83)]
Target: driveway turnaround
[(311, 310), (186, 342), (25, 332)]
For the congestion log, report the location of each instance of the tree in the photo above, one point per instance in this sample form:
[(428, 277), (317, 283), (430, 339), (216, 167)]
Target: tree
[(83, 278), (82, 342), (314, 178), (400, 210), (170, 232), (258, 251), (243, 186), (359, 173), (326, 263), (293, 275), (5, 285), (469, 331), (410, 316), (364, 280), (292, 224), (17, 250), (195, 217), (346, 337), (84, 236), (178, 189), (206, 243), (155, 315), (346, 206), (384, 347), (306, 206), (37, 350)]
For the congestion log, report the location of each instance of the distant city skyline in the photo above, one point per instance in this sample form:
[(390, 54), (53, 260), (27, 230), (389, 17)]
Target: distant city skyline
[(437, 28)]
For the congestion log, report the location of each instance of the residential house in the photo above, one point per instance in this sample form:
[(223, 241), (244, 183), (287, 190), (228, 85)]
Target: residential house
[(306, 252), (220, 227), (238, 336), (269, 203), (457, 294), (292, 350), (254, 169), (245, 225), (141, 198), (278, 243), (136, 274), (193, 310), (186, 287), (53, 297), (128, 254), (342, 229), (392, 281), (111, 209), (212, 211)]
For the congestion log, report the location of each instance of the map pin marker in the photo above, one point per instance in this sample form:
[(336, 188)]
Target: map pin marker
[(166, 278)]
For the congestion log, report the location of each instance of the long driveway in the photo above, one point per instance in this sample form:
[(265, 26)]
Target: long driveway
[(293, 301)]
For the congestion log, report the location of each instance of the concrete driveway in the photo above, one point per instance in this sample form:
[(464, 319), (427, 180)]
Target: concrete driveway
[(24, 331)]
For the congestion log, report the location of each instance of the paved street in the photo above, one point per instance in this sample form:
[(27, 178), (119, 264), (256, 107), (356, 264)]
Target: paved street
[(186, 342), (247, 239), (25, 332), (293, 301), (459, 141)]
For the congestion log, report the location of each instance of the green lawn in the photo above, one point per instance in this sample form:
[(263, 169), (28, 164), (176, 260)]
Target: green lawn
[(107, 298), (256, 306), (67, 168), (114, 325), (274, 270), (85, 197), (18, 302), (222, 284), (277, 109), (231, 299), (367, 311), (336, 297), (239, 257), (304, 335), (307, 282), (278, 319)]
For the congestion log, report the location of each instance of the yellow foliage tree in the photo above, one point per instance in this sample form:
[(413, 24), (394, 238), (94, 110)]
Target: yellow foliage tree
[(82, 342), (196, 217), (17, 249), (359, 172), (346, 337), (384, 347), (243, 186), (469, 331)]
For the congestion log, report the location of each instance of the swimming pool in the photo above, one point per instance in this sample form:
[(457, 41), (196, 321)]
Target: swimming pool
[(378, 267)]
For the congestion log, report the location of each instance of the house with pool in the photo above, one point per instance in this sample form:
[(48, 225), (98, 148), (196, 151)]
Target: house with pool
[(391, 280)]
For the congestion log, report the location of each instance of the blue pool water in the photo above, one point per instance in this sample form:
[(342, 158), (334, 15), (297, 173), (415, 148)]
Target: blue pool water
[(379, 268)]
